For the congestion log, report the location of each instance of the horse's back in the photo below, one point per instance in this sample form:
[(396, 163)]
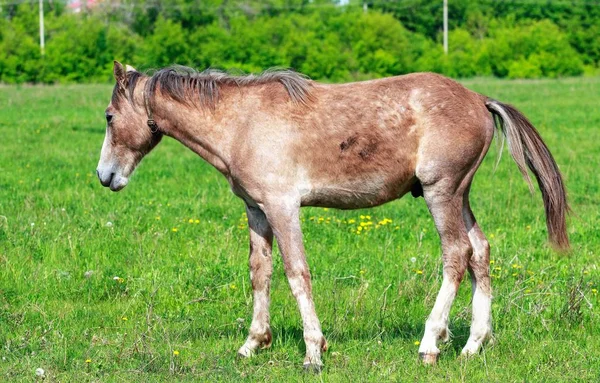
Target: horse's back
[(363, 142)]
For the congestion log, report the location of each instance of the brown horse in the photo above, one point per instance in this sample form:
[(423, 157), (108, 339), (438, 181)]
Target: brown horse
[(283, 141)]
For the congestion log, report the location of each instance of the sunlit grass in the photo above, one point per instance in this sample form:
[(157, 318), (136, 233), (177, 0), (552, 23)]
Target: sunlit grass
[(151, 284)]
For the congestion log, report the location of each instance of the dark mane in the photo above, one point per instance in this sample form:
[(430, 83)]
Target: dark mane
[(183, 84)]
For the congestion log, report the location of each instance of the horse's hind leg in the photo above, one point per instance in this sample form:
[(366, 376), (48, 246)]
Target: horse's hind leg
[(481, 325), (261, 240), (445, 203)]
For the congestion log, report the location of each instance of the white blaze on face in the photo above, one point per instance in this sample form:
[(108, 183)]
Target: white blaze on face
[(109, 170)]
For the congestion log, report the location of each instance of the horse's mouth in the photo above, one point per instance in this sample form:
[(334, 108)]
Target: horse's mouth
[(113, 181), (116, 186)]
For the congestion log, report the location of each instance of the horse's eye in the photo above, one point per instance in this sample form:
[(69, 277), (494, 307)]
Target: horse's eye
[(109, 118)]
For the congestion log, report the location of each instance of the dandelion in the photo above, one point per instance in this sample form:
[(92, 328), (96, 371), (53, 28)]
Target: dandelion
[(232, 286), (124, 319), (175, 352), (419, 272), (191, 220), (417, 343), (362, 272), (174, 230), (351, 221), (325, 209), (492, 236), (88, 361), (413, 260), (157, 218), (594, 291), (40, 372), (109, 224), (492, 261), (196, 221), (586, 272)]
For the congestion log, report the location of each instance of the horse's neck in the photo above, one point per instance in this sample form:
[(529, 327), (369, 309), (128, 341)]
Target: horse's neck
[(203, 131)]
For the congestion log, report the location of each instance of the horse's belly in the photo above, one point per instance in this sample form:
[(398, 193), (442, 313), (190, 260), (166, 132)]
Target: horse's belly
[(356, 194)]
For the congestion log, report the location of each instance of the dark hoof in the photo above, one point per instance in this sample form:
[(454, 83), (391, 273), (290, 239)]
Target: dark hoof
[(313, 368), (429, 359)]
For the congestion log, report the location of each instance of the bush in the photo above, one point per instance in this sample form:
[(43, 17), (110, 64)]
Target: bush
[(332, 43)]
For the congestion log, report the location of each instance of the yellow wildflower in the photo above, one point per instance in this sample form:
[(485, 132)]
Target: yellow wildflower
[(88, 361), (174, 230), (417, 343), (175, 352), (419, 271), (124, 319)]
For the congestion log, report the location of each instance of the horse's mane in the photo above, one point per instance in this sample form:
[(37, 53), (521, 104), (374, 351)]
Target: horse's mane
[(183, 84)]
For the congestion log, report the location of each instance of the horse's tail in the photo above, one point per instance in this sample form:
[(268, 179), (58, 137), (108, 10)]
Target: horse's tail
[(528, 149)]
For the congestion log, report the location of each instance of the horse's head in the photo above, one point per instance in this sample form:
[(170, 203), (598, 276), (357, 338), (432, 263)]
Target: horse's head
[(128, 137)]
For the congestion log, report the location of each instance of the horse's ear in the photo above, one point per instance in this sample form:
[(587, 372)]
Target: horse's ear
[(120, 74), (129, 68)]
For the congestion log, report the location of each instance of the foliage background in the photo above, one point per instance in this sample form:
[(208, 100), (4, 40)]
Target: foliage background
[(503, 38)]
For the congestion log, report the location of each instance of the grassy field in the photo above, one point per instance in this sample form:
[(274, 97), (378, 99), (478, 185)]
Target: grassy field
[(151, 284)]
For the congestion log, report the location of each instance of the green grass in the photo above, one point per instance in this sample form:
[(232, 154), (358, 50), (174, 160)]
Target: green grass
[(188, 290)]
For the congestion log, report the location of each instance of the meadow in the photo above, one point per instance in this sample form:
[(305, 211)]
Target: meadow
[(151, 284)]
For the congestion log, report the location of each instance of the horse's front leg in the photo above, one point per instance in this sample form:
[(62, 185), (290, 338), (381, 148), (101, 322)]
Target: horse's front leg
[(261, 266), (284, 217)]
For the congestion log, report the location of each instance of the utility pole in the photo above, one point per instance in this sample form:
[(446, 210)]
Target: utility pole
[(42, 43), (446, 27)]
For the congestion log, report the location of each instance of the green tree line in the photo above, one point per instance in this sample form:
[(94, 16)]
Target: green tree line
[(321, 38)]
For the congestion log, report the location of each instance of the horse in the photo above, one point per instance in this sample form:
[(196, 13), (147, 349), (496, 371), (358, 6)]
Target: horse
[(283, 141)]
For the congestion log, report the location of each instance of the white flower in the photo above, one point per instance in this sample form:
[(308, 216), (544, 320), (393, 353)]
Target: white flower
[(40, 371), (116, 278), (88, 274), (413, 260), (109, 224), (32, 224)]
